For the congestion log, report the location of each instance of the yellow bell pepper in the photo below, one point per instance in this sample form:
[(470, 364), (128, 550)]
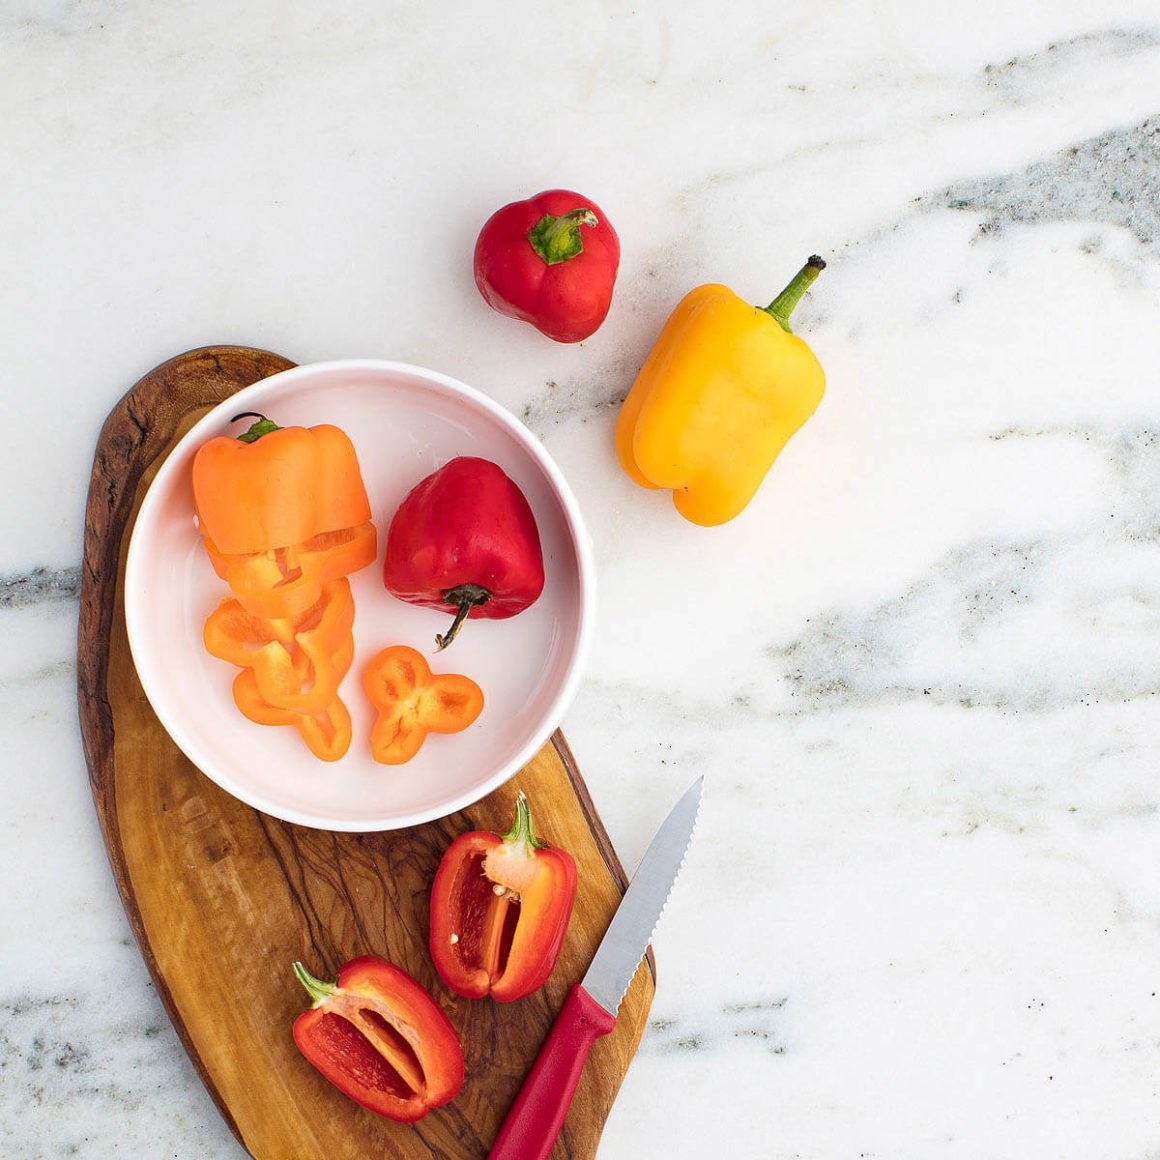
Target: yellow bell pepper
[(717, 399)]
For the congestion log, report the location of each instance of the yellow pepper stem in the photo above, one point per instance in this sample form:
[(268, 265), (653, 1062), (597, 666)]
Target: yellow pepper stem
[(782, 306)]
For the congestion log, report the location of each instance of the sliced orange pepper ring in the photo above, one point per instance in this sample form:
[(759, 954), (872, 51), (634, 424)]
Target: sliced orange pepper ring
[(295, 662), (284, 582), (233, 633), (327, 733), (410, 702), (310, 680)]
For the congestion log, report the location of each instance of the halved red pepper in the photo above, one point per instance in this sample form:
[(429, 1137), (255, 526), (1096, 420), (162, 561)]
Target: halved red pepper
[(500, 906), (378, 1036)]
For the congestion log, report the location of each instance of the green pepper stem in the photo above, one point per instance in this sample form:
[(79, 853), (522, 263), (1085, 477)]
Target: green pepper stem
[(782, 306), (262, 427), (318, 990), (556, 239), (522, 833), (465, 597)]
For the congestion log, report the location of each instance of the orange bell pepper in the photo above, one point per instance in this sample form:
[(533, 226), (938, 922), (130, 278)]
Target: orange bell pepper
[(284, 582), (277, 486), (411, 702), (298, 663), (327, 733)]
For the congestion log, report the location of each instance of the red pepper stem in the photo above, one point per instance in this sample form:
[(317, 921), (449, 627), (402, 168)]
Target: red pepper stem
[(262, 427), (318, 990), (782, 306), (556, 239), (522, 833), (465, 597)]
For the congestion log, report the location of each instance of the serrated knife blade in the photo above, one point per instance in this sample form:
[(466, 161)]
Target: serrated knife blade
[(635, 920), (589, 1011)]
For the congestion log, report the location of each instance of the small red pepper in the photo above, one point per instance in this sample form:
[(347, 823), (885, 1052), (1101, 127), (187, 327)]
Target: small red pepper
[(550, 261), (378, 1036), (465, 541), (500, 907)]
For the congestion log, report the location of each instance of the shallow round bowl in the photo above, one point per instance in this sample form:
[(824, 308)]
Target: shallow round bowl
[(405, 422)]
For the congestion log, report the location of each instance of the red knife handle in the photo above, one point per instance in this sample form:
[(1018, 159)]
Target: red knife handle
[(535, 1119)]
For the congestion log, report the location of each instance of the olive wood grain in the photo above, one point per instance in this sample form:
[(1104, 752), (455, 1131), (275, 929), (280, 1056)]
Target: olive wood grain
[(222, 898)]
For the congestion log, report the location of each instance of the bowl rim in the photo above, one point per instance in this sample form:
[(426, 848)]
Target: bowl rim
[(573, 521)]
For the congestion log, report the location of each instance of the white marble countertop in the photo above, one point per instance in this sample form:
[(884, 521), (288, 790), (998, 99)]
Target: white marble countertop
[(922, 915)]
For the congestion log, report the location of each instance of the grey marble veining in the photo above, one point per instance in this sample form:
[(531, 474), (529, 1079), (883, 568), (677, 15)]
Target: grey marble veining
[(39, 586), (1112, 179), (110, 1080)]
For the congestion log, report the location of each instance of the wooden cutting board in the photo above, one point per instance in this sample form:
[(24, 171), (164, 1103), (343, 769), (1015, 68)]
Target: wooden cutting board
[(223, 899)]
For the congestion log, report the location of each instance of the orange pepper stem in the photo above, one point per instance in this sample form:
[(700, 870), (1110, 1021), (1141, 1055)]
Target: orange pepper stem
[(262, 427), (465, 597), (782, 306), (318, 991), (556, 239), (522, 833)]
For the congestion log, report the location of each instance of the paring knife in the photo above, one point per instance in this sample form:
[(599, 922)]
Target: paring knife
[(589, 1011)]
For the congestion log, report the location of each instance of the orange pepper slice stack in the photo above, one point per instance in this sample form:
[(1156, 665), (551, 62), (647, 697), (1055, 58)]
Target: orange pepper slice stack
[(410, 702), (286, 519), (291, 668)]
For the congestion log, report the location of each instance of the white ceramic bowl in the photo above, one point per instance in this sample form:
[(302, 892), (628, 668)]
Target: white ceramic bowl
[(405, 423)]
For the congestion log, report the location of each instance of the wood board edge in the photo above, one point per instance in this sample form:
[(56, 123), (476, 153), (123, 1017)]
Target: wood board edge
[(130, 442), (126, 446)]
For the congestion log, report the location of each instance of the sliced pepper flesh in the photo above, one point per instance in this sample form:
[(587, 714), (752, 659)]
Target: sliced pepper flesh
[(327, 732), (285, 518), (410, 702), (282, 583), (500, 907), (296, 662)]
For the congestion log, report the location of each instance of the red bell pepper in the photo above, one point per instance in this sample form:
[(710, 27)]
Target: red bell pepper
[(500, 907), (378, 1036), (465, 541), (550, 261)]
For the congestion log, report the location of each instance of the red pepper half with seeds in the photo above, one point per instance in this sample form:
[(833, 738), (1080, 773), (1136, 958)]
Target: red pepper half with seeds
[(378, 1036), (464, 540), (550, 260), (500, 907)]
